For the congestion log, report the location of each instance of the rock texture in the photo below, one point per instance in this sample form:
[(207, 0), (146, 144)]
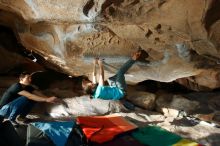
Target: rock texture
[(144, 100), (68, 34), (172, 105)]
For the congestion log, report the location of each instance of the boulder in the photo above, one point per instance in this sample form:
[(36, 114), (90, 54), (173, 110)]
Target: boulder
[(173, 105), (142, 99)]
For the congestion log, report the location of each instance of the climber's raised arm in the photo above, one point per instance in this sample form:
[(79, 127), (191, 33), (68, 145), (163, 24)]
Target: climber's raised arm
[(101, 72), (94, 73)]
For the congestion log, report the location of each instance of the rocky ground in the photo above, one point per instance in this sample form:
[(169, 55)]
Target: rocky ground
[(193, 115), (201, 132)]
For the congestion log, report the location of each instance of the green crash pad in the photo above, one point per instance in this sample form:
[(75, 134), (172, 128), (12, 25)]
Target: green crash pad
[(155, 136)]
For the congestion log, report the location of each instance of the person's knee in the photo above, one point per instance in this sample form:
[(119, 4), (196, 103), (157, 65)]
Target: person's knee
[(21, 101)]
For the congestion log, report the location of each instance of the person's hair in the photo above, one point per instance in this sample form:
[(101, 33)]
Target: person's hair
[(87, 88), (23, 74)]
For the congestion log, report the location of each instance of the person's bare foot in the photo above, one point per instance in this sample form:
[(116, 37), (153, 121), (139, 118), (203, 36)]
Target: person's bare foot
[(141, 55), (136, 55)]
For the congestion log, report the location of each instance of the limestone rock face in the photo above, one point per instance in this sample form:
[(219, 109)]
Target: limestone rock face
[(181, 37)]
